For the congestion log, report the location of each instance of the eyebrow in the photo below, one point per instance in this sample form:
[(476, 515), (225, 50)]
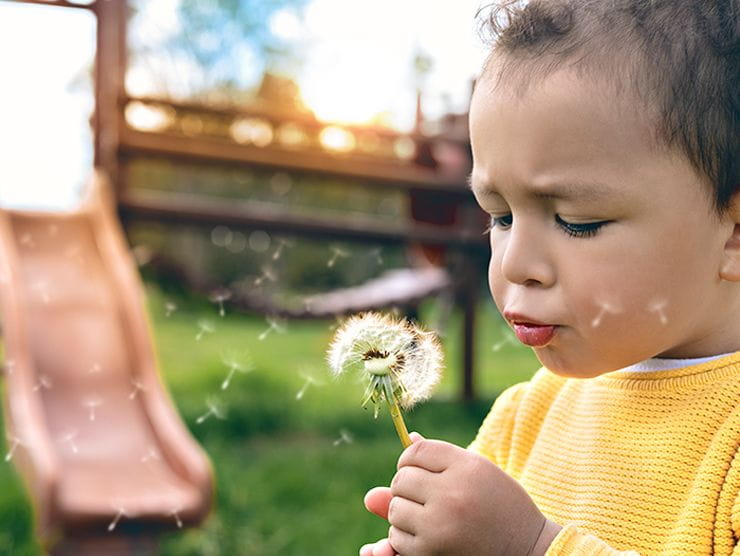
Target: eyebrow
[(574, 190)]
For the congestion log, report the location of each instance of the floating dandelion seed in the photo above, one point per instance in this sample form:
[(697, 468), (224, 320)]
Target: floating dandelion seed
[(143, 254), (176, 514), (338, 321), (204, 327), (308, 302), (276, 325), (138, 387), (69, 438), (402, 363), (237, 364), (27, 240), (119, 514), (43, 382), (282, 244), (14, 443), (169, 308), (152, 454), (604, 309), (43, 289), (344, 438), (92, 403), (337, 254), (219, 296), (375, 254), (657, 306), (214, 408), (267, 274), (74, 252), (308, 381), (508, 339)]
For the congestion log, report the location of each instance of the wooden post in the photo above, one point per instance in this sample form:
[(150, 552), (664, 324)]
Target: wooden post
[(469, 303), (110, 71)]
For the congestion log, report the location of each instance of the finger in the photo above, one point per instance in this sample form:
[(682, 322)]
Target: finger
[(383, 548), (415, 436), (367, 549), (402, 541), (432, 455), (405, 515), (377, 500), (412, 483)]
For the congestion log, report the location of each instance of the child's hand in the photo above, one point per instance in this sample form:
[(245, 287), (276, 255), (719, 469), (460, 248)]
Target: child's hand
[(377, 500), (448, 500)]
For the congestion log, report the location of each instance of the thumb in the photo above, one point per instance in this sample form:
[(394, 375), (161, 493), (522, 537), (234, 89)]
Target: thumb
[(377, 500), (415, 437)]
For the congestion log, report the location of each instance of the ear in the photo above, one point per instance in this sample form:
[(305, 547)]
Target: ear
[(730, 267)]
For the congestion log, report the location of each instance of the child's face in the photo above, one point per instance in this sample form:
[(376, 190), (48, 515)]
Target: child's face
[(595, 230)]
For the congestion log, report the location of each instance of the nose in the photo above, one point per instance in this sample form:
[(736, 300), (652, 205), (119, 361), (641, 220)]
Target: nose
[(522, 256)]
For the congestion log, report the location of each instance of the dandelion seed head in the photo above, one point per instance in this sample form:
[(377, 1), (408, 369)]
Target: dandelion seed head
[(378, 345)]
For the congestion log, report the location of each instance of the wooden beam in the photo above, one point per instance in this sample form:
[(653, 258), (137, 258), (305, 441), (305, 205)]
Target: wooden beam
[(305, 120), (59, 4), (134, 142), (200, 210)]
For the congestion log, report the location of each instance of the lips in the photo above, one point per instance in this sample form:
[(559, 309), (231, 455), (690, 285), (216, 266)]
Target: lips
[(533, 335), (530, 331)]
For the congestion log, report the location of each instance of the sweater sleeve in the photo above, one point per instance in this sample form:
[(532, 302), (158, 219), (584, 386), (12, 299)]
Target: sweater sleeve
[(573, 542), (494, 436)]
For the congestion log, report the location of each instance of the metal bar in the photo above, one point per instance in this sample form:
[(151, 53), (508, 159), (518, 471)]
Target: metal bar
[(196, 209)]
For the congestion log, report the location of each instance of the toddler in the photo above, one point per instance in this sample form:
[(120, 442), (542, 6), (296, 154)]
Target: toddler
[(605, 138)]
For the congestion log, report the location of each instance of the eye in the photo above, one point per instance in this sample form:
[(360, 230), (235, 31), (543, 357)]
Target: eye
[(587, 229), (503, 222)]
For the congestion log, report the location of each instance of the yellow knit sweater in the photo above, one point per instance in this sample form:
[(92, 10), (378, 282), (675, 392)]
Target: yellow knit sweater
[(628, 462)]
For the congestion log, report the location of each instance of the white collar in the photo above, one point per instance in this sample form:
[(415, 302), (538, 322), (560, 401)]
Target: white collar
[(661, 364)]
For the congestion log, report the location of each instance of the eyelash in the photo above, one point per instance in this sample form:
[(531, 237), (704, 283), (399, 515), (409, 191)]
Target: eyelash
[(574, 230)]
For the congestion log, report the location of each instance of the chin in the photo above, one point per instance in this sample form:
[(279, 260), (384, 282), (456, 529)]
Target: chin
[(569, 368)]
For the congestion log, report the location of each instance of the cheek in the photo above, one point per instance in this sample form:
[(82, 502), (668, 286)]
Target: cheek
[(494, 279), (618, 295)]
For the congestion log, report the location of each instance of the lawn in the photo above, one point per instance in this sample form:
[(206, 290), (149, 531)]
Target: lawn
[(293, 452)]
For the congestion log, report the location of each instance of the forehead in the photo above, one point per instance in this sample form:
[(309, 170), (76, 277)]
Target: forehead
[(560, 128)]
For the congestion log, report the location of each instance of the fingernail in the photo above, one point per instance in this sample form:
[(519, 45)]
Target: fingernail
[(415, 436)]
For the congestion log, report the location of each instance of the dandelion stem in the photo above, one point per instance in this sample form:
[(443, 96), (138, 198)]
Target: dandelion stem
[(398, 422)]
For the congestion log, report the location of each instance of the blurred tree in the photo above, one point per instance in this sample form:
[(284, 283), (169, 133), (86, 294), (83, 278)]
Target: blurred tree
[(219, 34)]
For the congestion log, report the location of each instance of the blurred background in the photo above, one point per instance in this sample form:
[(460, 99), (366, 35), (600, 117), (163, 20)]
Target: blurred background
[(273, 163)]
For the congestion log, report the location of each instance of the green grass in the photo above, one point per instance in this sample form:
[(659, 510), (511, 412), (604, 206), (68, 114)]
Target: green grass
[(284, 484)]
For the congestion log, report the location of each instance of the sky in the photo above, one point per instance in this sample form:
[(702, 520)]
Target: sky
[(45, 142), (357, 64)]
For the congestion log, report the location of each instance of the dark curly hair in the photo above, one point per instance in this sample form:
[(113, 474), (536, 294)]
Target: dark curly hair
[(681, 58)]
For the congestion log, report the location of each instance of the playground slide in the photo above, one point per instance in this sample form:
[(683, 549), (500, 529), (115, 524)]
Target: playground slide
[(89, 424)]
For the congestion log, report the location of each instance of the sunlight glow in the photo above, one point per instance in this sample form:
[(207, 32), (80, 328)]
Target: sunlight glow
[(252, 130), (148, 118), (337, 139)]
